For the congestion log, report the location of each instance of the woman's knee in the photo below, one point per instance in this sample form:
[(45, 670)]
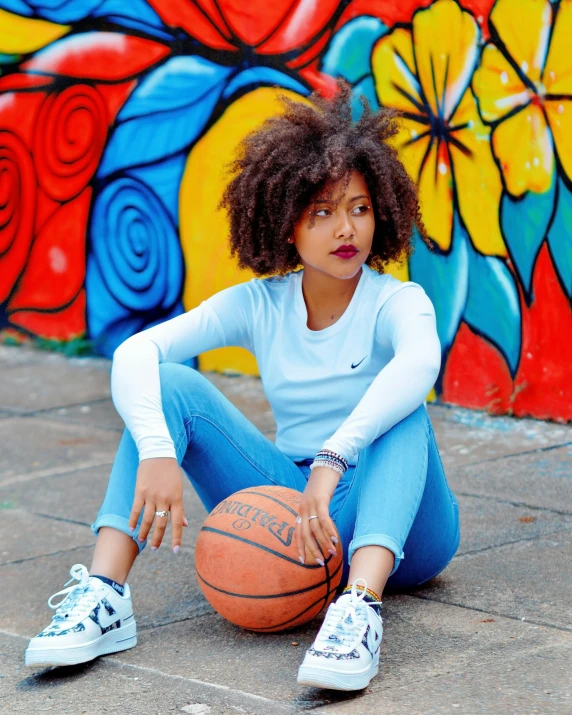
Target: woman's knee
[(172, 374), (176, 389), (179, 379), (416, 421), (184, 391), (411, 432)]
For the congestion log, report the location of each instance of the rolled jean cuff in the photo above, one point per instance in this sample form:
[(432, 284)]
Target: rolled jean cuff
[(377, 540), (121, 524)]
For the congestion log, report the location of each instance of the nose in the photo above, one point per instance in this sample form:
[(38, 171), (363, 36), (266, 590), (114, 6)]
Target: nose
[(344, 226)]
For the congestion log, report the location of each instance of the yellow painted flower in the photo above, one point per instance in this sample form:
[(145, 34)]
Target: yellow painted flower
[(524, 90), (425, 72), (204, 229)]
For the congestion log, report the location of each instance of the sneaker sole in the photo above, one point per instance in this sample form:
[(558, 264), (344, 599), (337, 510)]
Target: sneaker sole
[(112, 642), (331, 680)]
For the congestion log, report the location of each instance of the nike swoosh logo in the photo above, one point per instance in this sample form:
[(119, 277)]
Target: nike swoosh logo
[(108, 621), (359, 363), (105, 620)]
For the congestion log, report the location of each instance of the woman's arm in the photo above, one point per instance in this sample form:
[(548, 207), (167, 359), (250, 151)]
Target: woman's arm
[(222, 320), (407, 323)]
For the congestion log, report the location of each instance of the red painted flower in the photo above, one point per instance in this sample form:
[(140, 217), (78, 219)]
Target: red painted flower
[(51, 141), (49, 299), (50, 148), (17, 209), (271, 28), (41, 271), (69, 139)]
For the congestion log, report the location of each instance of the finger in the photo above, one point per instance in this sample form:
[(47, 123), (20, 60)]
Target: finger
[(185, 522), (328, 530), (310, 542), (317, 529), (300, 543), (177, 517), (147, 522), (138, 504), (159, 528)]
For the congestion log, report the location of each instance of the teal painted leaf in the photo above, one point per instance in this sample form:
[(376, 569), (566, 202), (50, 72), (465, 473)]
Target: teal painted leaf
[(524, 223), (445, 278), (493, 306), (560, 238), (364, 88), (349, 52)]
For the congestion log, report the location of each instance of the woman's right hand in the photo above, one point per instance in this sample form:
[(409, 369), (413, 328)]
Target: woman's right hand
[(159, 487)]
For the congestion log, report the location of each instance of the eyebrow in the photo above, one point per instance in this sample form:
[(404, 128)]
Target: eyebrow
[(329, 201)]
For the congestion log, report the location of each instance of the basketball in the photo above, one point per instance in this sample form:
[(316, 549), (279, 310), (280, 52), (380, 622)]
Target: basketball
[(247, 564)]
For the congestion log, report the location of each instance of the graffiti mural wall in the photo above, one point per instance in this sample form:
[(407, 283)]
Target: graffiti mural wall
[(117, 120)]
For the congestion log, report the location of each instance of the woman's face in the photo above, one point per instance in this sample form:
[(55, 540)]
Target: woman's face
[(328, 224)]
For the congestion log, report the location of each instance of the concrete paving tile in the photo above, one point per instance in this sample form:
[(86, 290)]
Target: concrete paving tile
[(38, 446), (534, 682), (262, 664), (95, 414), (527, 580), (245, 393), (78, 495), (25, 536), (422, 640), (467, 436), (164, 585), (109, 686), (421, 644), (26, 388), (34, 582), (13, 356), (542, 479), (489, 522), (164, 589)]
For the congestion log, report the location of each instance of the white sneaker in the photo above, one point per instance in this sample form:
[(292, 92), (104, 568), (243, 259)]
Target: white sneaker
[(345, 654), (92, 619)]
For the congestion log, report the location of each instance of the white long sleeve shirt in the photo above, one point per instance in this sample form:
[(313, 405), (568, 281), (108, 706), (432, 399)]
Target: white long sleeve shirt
[(338, 388)]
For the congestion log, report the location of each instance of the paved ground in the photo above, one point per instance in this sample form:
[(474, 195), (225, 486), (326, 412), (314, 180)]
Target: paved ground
[(492, 634)]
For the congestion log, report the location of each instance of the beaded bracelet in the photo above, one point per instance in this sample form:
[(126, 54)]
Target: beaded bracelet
[(327, 461), (327, 458), (331, 465), (329, 453)]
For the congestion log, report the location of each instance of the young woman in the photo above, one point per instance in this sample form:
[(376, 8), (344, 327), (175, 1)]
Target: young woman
[(347, 355)]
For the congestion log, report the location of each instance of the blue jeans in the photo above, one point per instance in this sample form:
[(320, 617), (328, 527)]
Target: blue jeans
[(395, 496)]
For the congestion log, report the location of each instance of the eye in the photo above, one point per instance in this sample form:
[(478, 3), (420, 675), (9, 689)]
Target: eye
[(322, 212), (361, 209)]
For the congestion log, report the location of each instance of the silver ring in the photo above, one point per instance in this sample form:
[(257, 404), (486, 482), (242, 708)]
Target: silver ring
[(313, 517), (298, 520), (161, 513)]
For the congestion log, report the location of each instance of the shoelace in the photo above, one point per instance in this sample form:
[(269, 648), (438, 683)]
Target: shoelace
[(344, 622), (79, 599)]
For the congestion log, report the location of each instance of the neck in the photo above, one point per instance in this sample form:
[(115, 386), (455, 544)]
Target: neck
[(322, 290)]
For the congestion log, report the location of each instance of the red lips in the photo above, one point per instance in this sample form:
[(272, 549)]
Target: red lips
[(346, 249)]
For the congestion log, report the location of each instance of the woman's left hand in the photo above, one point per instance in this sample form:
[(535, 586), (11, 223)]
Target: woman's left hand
[(318, 536)]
